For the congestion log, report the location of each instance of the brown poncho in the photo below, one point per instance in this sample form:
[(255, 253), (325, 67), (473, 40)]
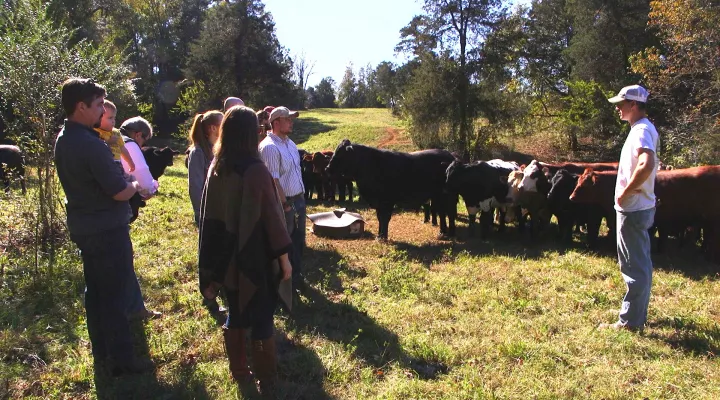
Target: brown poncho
[(243, 232)]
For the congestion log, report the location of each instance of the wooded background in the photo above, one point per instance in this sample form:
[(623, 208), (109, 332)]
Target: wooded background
[(481, 74)]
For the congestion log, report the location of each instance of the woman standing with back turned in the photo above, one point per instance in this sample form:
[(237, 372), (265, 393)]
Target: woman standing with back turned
[(244, 247)]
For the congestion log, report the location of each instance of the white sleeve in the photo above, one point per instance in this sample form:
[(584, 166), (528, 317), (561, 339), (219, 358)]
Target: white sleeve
[(142, 171)]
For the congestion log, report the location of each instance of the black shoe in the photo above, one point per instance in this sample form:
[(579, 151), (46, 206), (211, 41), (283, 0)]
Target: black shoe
[(135, 367)]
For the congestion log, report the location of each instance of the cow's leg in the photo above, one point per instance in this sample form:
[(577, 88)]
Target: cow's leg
[(22, 184), (383, 215), (426, 213), (593, 231), (451, 207), (472, 212), (349, 190), (486, 223)]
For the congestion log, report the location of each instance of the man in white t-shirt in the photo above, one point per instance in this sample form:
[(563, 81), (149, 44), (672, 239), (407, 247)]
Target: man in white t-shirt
[(635, 206)]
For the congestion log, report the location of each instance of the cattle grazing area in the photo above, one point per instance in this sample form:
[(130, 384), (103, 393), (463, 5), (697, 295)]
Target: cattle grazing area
[(510, 315)]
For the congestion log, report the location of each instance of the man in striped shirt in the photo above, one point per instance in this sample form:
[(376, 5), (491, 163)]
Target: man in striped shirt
[(281, 157)]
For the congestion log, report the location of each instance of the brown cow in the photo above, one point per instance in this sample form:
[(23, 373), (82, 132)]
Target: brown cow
[(598, 187), (320, 161), (689, 198)]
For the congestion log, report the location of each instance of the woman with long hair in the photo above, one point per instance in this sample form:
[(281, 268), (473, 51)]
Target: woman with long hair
[(202, 137), (244, 247)]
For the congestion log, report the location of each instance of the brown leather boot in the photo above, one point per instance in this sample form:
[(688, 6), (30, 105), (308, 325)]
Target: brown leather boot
[(237, 354), (264, 358)]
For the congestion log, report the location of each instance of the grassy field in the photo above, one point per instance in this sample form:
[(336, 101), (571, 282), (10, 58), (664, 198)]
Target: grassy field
[(412, 318)]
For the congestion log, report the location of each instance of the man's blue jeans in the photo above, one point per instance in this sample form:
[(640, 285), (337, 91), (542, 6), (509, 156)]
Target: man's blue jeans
[(633, 247), (107, 263), (297, 234)]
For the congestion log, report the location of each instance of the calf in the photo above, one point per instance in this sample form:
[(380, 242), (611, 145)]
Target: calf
[(483, 185), (331, 184), (12, 164), (158, 159), (569, 213), (387, 178), (310, 179), (598, 189)]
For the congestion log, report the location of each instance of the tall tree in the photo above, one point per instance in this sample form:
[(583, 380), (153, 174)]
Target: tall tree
[(458, 27), (348, 90), (302, 70), (322, 95), (238, 54)]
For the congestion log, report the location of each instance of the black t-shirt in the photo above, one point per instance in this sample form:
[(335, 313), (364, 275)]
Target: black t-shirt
[(90, 179)]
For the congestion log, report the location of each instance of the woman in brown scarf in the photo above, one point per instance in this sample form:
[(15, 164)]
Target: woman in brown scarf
[(244, 247)]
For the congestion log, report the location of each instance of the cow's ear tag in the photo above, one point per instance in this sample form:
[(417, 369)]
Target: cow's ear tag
[(349, 148)]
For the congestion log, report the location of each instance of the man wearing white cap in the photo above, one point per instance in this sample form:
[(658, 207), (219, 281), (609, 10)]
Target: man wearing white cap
[(635, 206), (282, 159)]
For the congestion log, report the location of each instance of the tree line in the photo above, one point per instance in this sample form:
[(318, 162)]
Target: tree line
[(478, 72)]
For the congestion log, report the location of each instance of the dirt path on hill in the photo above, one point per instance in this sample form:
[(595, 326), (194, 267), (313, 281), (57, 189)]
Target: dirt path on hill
[(392, 138)]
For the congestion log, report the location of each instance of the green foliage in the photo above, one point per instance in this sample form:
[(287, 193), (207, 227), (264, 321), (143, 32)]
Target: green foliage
[(322, 95), (238, 54), (35, 58)]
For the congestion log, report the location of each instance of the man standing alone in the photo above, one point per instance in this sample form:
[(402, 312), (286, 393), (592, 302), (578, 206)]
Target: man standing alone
[(282, 159), (635, 206), (97, 218)]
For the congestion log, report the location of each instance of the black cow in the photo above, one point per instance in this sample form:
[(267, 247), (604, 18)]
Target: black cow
[(387, 178), (158, 159), (477, 183), (570, 213), (12, 164)]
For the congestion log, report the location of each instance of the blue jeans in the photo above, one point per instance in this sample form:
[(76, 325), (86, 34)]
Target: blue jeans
[(298, 237), (133, 295), (107, 262), (633, 247)]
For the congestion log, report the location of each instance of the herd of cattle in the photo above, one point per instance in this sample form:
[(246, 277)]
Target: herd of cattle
[(576, 193)]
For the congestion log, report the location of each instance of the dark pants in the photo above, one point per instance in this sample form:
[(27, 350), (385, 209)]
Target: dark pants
[(107, 263), (298, 237), (257, 315)]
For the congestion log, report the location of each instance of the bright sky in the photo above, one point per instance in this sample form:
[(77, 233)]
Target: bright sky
[(333, 33)]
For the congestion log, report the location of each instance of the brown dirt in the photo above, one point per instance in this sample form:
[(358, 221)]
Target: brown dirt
[(393, 139)]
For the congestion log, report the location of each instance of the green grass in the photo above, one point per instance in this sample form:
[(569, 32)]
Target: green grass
[(413, 318)]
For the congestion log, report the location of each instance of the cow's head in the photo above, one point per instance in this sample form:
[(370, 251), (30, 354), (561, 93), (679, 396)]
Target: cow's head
[(452, 175), (158, 159), (513, 182), (584, 190), (562, 185), (320, 162), (343, 160), (531, 173)]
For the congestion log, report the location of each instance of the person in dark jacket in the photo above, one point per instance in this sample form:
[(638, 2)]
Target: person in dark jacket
[(244, 247)]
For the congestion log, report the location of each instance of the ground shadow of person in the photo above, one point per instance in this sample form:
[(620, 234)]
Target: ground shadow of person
[(147, 385), (687, 335), (343, 323)]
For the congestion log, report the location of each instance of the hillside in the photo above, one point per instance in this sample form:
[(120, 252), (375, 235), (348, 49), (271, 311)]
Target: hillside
[(412, 318)]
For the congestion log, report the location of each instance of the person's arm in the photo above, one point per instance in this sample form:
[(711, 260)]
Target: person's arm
[(645, 146), (128, 192), (142, 171), (106, 172), (196, 178), (271, 157), (128, 160)]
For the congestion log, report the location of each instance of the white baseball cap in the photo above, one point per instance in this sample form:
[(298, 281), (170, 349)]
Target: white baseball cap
[(634, 92), (282, 112)]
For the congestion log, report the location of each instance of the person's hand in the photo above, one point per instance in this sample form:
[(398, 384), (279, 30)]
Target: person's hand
[(212, 290), (623, 196), (286, 206), (286, 268)]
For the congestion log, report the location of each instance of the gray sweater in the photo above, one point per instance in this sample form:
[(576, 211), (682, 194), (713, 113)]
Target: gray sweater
[(198, 165)]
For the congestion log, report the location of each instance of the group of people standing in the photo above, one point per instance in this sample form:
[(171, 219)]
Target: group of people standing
[(247, 194), (246, 191)]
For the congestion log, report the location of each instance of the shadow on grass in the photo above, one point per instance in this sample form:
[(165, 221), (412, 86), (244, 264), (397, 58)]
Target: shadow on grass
[(688, 336), (343, 323), (304, 128), (181, 173), (300, 370)]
